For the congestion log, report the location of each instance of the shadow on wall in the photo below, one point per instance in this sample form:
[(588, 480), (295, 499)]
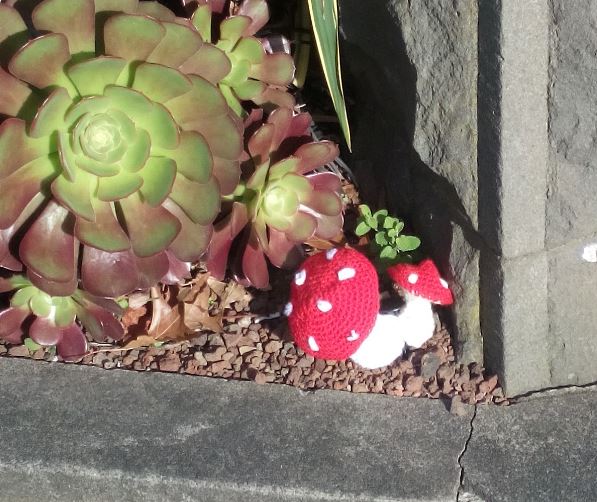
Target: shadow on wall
[(381, 86)]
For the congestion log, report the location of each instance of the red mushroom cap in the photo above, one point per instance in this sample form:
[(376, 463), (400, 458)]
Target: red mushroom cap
[(422, 280), (334, 302)]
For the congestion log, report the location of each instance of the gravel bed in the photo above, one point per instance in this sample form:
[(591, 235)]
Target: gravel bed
[(263, 352)]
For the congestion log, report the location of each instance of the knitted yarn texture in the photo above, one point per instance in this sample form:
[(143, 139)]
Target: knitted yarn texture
[(334, 301)]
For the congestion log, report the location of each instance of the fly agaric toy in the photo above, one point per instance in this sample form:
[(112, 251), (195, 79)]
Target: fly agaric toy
[(421, 286), (334, 311)]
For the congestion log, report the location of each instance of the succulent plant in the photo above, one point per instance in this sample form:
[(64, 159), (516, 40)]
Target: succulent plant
[(50, 320), (253, 75), (281, 203), (113, 151)]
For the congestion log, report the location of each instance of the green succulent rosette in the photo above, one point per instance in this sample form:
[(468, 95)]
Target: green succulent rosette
[(112, 157), (50, 320), (282, 203), (253, 74)]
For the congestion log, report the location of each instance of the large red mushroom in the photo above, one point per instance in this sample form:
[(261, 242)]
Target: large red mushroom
[(334, 311)]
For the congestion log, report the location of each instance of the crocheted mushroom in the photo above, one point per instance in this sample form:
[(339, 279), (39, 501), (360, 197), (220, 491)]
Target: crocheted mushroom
[(333, 311), (334, 301), (421, 286)]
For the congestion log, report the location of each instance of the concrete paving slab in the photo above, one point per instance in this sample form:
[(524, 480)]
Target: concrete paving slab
[(84, 434), (541, 449)]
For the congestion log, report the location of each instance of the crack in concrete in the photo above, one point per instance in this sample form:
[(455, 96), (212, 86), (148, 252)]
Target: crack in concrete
[(459, 492), (551, 391)]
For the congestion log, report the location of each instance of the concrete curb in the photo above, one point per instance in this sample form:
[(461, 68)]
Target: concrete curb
[(80, 433)]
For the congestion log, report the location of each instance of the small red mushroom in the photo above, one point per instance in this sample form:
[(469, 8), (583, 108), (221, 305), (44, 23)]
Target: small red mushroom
[(334, 302), (422, 286), (422, 280)]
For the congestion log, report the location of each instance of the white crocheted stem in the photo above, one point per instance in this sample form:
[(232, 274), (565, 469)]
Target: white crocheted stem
[(390, 335)]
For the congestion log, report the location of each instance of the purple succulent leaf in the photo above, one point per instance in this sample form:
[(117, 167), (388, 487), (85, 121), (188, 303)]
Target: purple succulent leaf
[(178, 270), (276, 69), (100, 323), (84, 298), (258, 11), (315, 154), (108, 275), (325, 181), (14, 94), (151, 269), (73, 344), (282, 252), (260, 144), (11, 324), (254, 265), (49, 248), (225, 231), (53, 288), (329, 227), (44, 332)]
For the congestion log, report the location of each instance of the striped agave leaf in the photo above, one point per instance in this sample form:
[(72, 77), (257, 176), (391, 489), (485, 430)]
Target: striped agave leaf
[(324, 19)]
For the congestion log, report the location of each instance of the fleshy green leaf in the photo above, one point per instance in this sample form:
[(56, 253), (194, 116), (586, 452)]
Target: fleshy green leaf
[(31, 345), (303, 227), (73, 18), (202, 21), (208, 62), (201, 202), (105, 232), (179, 43), (156, 10), (193, 239), (137, 153), (193, 158), (132, 37), (50, 117), (231, 29), (158, 177), (151, 229), (204, 100), (41, 61), (118, 187), (76, 195), (92, 76), (41, 304), (160, 83)]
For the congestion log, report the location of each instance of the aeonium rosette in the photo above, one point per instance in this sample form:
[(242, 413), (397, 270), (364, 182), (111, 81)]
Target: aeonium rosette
[(251, 73), (111, 156), (50, 320), (281, 203)]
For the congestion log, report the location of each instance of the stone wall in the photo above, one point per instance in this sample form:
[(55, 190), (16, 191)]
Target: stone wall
[(475, 120), (572, 191), (411, 70)]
